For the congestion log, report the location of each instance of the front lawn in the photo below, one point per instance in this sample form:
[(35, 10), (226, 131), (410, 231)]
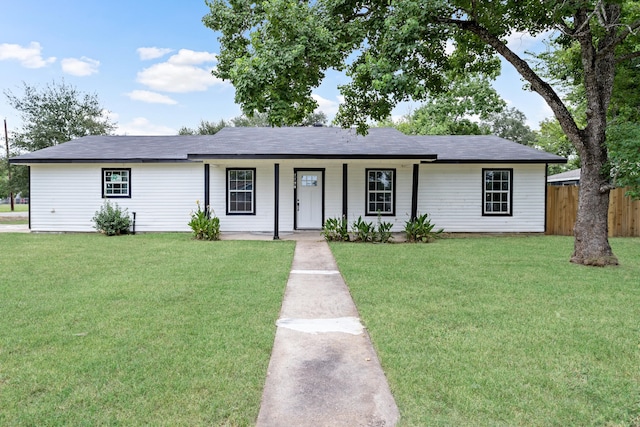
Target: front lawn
[(152, 329), (502, 331)]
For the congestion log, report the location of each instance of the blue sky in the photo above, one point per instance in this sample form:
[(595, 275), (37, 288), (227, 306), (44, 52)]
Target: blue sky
[(149, 62)]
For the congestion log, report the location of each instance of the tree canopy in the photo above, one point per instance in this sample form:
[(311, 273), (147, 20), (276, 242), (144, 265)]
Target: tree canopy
[(470, 106), (51, 115), (255, 120), (204, 128), (56, 114), (456, 111), (275, 52), (563, 68)]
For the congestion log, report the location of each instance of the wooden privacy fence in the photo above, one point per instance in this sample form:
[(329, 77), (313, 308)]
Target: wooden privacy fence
[(562, 206)]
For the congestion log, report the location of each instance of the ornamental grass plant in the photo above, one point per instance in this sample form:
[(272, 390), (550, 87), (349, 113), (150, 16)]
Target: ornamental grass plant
[(204, 223)]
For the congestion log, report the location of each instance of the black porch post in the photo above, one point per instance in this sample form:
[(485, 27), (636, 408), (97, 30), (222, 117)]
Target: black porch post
[(276, 200), (206, 187), (345, 186), (414, 192)]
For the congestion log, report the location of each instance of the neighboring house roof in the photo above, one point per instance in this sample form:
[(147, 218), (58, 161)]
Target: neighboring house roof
[(291, 142), (572, 175)]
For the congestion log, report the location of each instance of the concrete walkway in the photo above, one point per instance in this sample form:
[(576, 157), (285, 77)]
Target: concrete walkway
[(323, 369)]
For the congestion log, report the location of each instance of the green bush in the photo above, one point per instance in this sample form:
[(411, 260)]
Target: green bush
[(383, 231), (363, 231), (205, 224), (335, 229), (421, 229), (111, 220)]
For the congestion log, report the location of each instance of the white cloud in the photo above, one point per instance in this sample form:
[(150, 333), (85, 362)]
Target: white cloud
[(519, 41), (181, 73), (330, 108), (142, 126), (191, 57), (29, 56), (151, 97), (152, 52), (80, 67)]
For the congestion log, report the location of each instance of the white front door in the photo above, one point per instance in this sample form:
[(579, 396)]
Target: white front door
[(309, 199)]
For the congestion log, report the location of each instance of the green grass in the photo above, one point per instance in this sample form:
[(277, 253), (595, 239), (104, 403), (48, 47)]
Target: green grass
[(502, 331), (152, 329), (16, 208)]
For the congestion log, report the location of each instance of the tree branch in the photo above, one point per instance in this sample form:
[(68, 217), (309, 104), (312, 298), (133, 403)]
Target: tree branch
[(537, 84), (627, 57), (606, 188), (629, 29)]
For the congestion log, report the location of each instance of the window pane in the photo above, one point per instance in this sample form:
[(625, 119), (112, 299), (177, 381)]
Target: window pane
[(115, 182), (240, 188), (380, 191), (496, 191)]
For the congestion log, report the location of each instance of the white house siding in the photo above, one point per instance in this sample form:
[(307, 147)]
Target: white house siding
[(357, 190), (263, 220), (65, 197), (452, 195)]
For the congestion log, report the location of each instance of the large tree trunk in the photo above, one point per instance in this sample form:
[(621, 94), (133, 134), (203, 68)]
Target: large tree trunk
[(591, 245)]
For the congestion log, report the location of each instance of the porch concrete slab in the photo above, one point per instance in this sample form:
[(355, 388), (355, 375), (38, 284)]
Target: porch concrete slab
[(323, 369), (14, 228)]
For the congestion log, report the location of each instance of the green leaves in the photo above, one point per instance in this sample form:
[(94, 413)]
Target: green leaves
[(112, 220), (274, 53), (623, 141), (204, 224), (55, 114)]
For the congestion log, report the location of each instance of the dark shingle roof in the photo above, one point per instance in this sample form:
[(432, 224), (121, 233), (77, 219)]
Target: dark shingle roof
[(117, 148), (482, 148), (298, 142)]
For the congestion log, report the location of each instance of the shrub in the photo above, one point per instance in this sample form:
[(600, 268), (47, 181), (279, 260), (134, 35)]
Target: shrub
[(111, 220), (420, 229), (335, 229), (383, 231), (205, 224), (363, 231)]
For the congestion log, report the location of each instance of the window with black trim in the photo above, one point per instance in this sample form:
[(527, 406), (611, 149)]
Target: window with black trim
[(497, 191), (381, 191), (241, 191), (116, 183)]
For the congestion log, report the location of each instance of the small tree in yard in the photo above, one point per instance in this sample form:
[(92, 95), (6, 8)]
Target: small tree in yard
[(112, 220), (275, 52), (56, 114)]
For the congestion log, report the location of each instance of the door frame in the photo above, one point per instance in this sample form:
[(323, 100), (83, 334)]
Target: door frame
[(295, 192)]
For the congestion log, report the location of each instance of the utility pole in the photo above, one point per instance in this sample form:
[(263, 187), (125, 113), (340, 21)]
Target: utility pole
[(6, 141)]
